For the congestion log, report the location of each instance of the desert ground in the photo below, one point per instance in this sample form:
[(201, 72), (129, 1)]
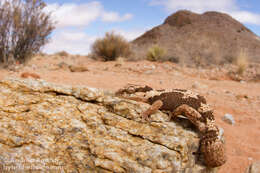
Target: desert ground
[(240, 99)]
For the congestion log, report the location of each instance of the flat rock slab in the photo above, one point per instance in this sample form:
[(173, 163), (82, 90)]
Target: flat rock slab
[(53, 128)]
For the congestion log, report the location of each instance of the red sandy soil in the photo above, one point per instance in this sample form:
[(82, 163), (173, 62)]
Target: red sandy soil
[(241, 99)]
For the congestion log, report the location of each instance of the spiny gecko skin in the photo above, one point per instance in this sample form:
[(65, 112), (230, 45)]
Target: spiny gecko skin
[(186, 103)]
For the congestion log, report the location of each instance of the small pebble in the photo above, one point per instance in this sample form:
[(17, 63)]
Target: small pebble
[(227, 92), (148, 72), (228, 118), (254, 167), (197, 85), (221, 134), (221, 131)]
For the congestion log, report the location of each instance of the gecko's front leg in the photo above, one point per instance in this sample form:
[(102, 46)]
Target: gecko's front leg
[(152, 109)]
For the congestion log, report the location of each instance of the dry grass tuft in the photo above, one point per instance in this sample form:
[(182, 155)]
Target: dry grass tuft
[(155, 53), (110, 47), (242, 62), (62, 53)]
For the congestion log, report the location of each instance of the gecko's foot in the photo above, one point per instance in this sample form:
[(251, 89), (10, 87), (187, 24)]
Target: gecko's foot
[(145, 117)]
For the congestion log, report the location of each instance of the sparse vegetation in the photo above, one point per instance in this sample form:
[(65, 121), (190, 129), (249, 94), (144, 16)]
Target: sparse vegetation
[(198, 60), (24, 29), (110, 47), (62, 53), (174, 59), (41, 54), (155, 53), (241, 62)]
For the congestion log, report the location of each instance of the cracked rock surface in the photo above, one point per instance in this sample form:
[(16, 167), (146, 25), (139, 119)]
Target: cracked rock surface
[(46, 127)]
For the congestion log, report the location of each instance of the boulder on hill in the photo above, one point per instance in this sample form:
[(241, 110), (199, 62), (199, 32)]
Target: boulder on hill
[(52, 128), (201, 39)]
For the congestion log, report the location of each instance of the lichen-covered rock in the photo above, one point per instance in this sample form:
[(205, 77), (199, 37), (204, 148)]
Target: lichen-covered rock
[(52, 128)]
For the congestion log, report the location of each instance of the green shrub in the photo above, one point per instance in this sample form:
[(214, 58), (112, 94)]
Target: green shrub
[(110, 47), (155, 53), (24, 29)]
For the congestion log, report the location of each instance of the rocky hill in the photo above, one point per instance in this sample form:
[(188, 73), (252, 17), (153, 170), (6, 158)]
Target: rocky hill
[(207, 38)]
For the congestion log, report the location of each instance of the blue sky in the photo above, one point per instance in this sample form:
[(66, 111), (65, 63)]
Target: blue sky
[(80, 22)]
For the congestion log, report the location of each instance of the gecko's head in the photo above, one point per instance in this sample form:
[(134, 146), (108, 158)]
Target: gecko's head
[(131, 89)]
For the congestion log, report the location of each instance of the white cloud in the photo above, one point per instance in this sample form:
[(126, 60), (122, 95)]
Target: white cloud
[(79, 42), (77, 16), (227, 6), (130, 35), (196, 5), (70, 41), (72, 14), (115, 17), (246, 17)]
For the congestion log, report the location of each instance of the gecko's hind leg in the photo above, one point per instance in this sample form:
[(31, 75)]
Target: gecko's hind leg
[(192, 114), (211, 146)]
